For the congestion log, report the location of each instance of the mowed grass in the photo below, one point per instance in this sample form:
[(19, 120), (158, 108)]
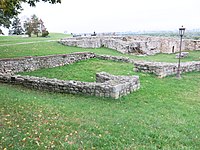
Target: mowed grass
[(84, 70), (162, 114), (19, 39), (51, 48)]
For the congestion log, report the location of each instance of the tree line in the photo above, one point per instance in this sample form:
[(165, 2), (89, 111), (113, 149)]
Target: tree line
[(32, 25)]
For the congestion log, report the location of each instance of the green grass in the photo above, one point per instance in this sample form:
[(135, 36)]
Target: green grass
[(19, 39), (50, 48), (162, 114), (84, 70)]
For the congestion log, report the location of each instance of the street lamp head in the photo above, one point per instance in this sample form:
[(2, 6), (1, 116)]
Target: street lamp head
[(181, 31)]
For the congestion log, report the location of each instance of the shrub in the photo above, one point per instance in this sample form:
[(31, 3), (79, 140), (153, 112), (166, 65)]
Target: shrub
[(45, 33)]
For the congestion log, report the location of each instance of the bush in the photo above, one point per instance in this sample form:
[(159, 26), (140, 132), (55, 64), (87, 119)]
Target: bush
[(45, 33), (196, 38)]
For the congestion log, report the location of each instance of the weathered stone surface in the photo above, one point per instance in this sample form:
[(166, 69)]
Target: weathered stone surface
[(115, 58), (106, 86), (182, 55), (33, 63), (162, 69), (146, 45), (121, 44)]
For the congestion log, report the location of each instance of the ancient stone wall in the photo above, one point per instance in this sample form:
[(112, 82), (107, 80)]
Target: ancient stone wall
[(106, 86), (115, 58), (149, 45), (34, 63), (121, 44), (162, 69)]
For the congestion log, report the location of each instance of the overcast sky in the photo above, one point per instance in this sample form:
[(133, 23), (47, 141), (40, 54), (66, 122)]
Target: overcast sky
[(80, 16)]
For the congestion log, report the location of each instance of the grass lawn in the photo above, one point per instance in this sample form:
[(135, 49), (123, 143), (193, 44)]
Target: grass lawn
[(163, 114), (84, 70), (19, 39), (50, 48)]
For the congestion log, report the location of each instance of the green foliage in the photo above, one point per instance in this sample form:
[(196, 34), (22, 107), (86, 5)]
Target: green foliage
[(197, 37), (28, 27), (35, 25), (13, 7), (16, 26), (45, 33), (4, 20)]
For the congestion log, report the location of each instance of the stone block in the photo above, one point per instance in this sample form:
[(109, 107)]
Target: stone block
[(182, 55)]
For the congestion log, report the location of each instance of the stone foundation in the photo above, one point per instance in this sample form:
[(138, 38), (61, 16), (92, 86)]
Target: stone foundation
[(162, 69), (115, 58), (146, 45), (106, 86), (33, 63)]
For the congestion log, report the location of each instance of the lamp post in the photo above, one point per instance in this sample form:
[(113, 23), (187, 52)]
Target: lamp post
[(181, 33)]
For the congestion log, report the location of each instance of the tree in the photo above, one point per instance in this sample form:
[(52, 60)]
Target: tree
[(13, 7), (43, 29), (16, 26), (1, 32), (28, 27), (35, 24), (4, 20)]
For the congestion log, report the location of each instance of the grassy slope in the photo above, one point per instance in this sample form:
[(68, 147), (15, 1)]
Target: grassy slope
[(19, 39), (163, 114), (49, 48)]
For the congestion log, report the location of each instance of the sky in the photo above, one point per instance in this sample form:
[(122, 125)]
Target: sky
[(87, 16)]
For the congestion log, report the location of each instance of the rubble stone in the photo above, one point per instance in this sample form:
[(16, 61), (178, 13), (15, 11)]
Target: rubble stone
[(106, 86), (145, 45), (182, 55), (163, 69)]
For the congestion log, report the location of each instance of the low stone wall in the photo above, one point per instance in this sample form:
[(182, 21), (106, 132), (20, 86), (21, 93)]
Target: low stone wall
[(34, 63), (162, 69), (106, 86), (119, 43), (148, 45), (115, 58)]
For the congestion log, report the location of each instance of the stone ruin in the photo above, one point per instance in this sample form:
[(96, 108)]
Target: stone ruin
[(160, 69), (182, 55), (145, 45), (106, 85), (163, 69)]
